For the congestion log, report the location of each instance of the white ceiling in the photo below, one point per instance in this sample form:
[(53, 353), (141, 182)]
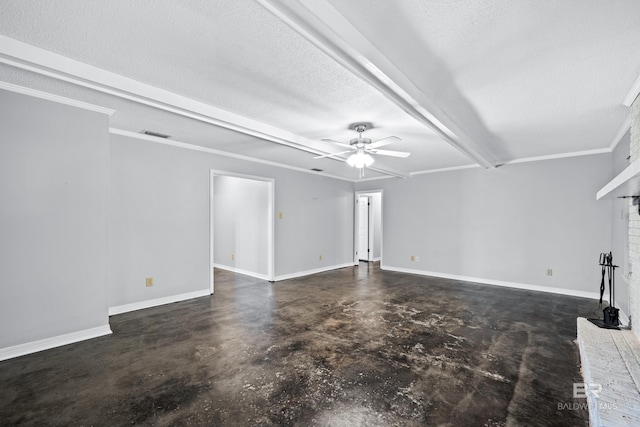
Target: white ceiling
[(462, 83)]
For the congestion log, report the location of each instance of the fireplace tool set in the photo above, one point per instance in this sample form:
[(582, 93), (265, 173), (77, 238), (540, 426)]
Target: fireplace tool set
[(610, 314)]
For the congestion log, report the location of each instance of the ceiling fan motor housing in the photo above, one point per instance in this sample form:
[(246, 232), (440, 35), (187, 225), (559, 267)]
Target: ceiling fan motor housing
[(360, 142)]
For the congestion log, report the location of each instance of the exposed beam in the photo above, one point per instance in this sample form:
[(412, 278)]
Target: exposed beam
[(330, 31), (50, 64)]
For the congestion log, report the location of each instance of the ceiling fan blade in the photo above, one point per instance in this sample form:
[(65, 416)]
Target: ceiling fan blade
[(333, 141), (390, 153), (384, 141), (332, 154)]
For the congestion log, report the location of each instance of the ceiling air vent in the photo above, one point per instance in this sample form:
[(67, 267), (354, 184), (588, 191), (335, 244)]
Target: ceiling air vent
[(156, 134), (317, 170)]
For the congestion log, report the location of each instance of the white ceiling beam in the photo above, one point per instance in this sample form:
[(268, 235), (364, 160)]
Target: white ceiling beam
[(40, 61), (330, 31)]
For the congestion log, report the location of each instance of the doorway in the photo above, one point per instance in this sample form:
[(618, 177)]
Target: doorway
[(365, 232), (241, 237), (367, 226)]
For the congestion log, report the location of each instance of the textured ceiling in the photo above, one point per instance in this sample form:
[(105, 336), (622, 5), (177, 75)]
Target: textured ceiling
[(519, 78)]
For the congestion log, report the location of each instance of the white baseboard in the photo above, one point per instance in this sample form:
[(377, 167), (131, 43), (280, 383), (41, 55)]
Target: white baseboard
[(119, 309), (561, 291), (241, 271), (314, 271), (57, 341)]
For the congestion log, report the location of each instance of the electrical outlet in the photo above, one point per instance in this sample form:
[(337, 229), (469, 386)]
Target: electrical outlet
[(149, 282), (413, 258), (549, 272), (417, 259)]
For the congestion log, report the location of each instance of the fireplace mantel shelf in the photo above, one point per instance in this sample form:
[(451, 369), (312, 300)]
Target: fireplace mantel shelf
[(626, 183)]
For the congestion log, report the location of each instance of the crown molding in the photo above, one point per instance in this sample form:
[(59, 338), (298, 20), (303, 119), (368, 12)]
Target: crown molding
[(449, 169), (193, 147), (55, 98), (507, 162), (621, 132), (558, 156), (633, 94), (40, 61)]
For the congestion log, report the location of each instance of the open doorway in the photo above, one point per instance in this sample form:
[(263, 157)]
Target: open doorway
[(367, 226), (241, 225)]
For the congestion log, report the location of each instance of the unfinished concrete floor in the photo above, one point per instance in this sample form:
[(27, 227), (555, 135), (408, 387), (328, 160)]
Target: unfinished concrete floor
[(356, 346)]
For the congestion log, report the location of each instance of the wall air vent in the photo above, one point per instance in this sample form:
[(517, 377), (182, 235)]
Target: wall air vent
[(317, 170), (156, 134)]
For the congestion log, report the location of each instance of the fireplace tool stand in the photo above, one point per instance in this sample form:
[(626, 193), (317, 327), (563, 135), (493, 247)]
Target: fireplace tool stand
[(610, 315)]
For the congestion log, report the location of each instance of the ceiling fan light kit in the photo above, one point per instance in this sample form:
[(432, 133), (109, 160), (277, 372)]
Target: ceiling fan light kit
[(361, 157)]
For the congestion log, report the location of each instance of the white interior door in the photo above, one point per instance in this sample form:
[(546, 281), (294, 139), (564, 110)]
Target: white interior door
[(363, 229)]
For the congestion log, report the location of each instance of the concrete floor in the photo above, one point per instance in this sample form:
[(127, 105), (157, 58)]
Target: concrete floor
[(356, 346)]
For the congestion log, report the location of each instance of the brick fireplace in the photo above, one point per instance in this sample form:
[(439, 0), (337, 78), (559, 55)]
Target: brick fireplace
[(634, 228)]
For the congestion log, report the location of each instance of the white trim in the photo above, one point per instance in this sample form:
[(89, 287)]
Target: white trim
[(44, 62), (314, 271), (615, 142), (621, 133), (633, 94), (377, 259), (55, 98), (241, 271), (187, 146), (211, 231), (324, 26), (41, 61), (422, 172), (57, 341), (375, 178), (449, 169), (557, 156), (125, 308), (562, 291), (271, 248), (356, 222)]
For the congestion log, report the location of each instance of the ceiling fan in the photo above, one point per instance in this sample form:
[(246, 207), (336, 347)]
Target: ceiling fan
[(362, 148)]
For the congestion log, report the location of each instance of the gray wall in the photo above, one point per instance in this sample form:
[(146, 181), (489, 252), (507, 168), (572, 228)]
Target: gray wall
[(241, 211), (620, 229), (508, 224), (86, 217), (159, 222), (53, 219), (160, 219)]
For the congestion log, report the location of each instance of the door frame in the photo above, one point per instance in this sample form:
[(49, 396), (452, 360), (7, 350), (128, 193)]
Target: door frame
[(356, 224), (270, 221), (370, 236)]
